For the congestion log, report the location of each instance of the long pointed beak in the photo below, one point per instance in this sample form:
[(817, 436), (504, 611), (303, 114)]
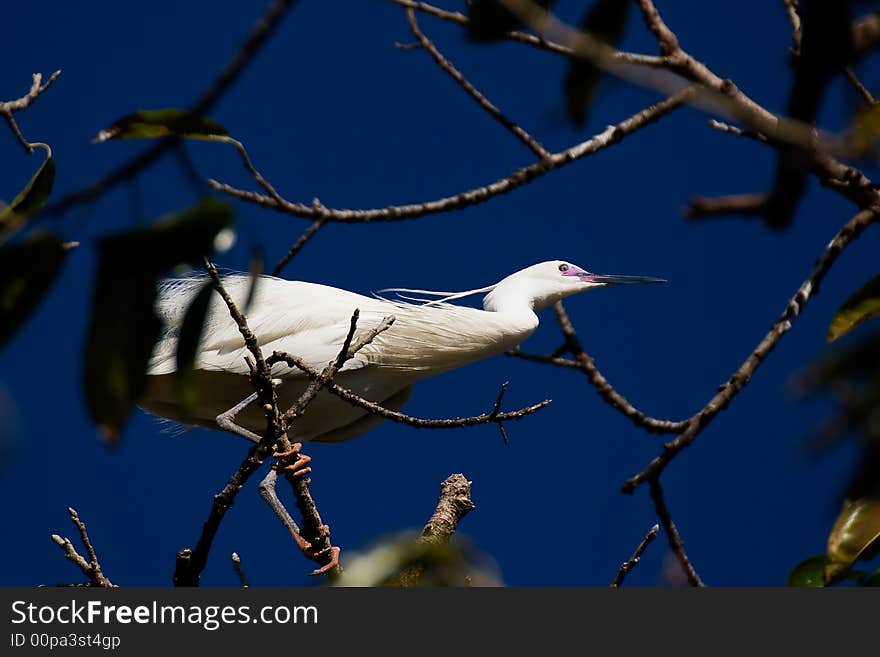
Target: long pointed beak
[(611, 279)]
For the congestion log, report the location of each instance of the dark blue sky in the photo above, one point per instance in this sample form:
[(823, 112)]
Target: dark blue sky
[(332, 109)]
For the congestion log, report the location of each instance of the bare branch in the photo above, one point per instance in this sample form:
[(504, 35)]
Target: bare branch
[(396, 416), (702, 207), (9, 107), (861, 89), (91, 568), (585, 363), (307, 234), (532, 40), (809, 288), (733, 130), (636, 557), (522, 176), (239, 571), (191, 563), (472, 91), (454, 504), (675, 542)]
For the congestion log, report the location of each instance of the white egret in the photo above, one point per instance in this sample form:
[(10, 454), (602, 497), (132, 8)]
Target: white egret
[(311, 321)]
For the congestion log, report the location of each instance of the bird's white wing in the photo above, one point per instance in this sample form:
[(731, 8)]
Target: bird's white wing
[(307, 320)]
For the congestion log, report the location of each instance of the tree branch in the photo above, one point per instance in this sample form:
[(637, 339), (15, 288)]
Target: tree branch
[(675, 542), (740, 378), (454, 504), (396, 416), (636, 557), (91, 568), (472, 91), (9, 107), (611, 135)]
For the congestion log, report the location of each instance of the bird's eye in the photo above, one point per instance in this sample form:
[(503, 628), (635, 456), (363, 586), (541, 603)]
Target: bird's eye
[(563, 267)]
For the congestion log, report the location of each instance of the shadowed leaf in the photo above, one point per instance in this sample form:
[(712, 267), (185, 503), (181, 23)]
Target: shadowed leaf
[(606, 22), (149, 124), (31, 198), (188, 343), (123, 325), (855, 535), (872, 580), (810, 572), (859, 308), (864, 132), (490, 20), (405, 561), (27, 271)]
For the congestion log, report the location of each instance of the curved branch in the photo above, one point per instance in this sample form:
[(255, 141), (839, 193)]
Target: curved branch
[(494, 416), (739, 379), (9, 107), (522, 176), (472, 91)]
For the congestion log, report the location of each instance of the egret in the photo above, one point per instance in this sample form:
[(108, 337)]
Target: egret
[(311, 321)]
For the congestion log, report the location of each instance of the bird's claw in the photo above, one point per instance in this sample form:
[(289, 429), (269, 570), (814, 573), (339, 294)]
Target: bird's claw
[(297, 468), (331, 564)]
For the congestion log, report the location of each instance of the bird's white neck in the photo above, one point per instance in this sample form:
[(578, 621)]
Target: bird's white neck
[(517, 308)]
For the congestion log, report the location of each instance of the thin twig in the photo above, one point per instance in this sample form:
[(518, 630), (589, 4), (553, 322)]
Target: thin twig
[(532, 40), (9, 107), (748, 205), (862, 90), (733, 130), (629, 564), (675, 542), (307, 234), (611, 135), (740, 378), (255, 40), (239, 571), (617, 401), (91, 568), (396, 416), (449, 68)]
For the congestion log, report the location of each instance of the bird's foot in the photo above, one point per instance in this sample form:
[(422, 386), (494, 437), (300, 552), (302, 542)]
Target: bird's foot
[(319, 555), (298, 467), (331, 564)]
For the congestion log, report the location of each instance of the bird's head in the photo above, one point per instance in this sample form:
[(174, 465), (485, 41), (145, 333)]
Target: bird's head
[(545, 283)]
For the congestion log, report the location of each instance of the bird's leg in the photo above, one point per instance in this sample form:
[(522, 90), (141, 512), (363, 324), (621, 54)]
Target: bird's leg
[(226, 420), (297, 468), (267, 492)]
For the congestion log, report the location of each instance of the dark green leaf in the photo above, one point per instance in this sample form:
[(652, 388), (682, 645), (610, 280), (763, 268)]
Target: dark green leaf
[(810, 572), (490, 20), (188, 344), (859, 308), (149, 124), (31, 198), (27, 271), (855, 535), (123, 325), (606, 22)]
